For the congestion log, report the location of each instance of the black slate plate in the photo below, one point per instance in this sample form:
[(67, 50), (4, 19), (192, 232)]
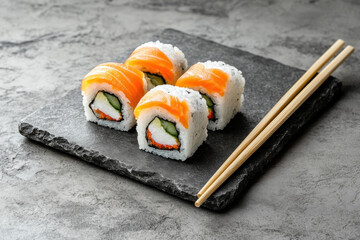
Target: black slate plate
[(62, 125)]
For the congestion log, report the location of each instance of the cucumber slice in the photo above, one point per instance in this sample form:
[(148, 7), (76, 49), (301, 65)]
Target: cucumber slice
[(100, 96), (155, 79), (169, 128), (156, 122), (209, 103), (210, 106), (114, 101)]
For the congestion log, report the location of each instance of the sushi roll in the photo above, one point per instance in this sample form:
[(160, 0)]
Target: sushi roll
[(221, 85), (161, 63), (111, 92), (171, 122)]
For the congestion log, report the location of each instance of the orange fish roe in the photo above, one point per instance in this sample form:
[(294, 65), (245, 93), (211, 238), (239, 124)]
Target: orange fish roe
[(121, 77), (102, 115), (159, 99), (212, 79), (159, 145), (154, 61), (211, 114)]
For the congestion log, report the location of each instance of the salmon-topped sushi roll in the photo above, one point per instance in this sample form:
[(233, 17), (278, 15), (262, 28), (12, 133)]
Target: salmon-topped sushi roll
[(111, 92), (161, 63), (171, 122), (221, 85)]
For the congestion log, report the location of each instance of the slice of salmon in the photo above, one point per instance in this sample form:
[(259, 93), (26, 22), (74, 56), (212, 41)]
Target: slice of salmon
[(159, 99), (212, 79), (121, 77), (154, 61)]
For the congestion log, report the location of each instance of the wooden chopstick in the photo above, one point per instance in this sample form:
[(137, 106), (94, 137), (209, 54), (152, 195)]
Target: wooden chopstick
[(276, 122), (280, 105)]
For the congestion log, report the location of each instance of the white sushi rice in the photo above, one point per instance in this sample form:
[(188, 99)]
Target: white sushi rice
[(175, 55), (190, 138), (128, 120), (227, 106)]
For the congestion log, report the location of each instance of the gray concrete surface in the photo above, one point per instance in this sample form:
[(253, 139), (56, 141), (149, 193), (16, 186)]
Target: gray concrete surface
[(311, 193)]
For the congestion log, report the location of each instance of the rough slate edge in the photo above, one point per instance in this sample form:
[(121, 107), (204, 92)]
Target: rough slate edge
[(320, 99)]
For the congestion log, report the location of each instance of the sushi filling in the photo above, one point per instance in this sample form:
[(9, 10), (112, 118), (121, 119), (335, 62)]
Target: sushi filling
[(210, 104), (162, 134), (154, 79), (106, 106)]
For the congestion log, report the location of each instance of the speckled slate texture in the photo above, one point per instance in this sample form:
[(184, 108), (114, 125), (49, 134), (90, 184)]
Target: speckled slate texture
[(62, 125)]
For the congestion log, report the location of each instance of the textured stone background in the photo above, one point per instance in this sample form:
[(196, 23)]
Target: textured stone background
[(312, 192)]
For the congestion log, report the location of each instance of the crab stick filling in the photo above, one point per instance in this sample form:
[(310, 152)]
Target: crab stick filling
[(162, 134), (106, 106)]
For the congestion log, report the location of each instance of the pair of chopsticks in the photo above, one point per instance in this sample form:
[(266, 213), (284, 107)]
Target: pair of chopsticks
[(283, 109)]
